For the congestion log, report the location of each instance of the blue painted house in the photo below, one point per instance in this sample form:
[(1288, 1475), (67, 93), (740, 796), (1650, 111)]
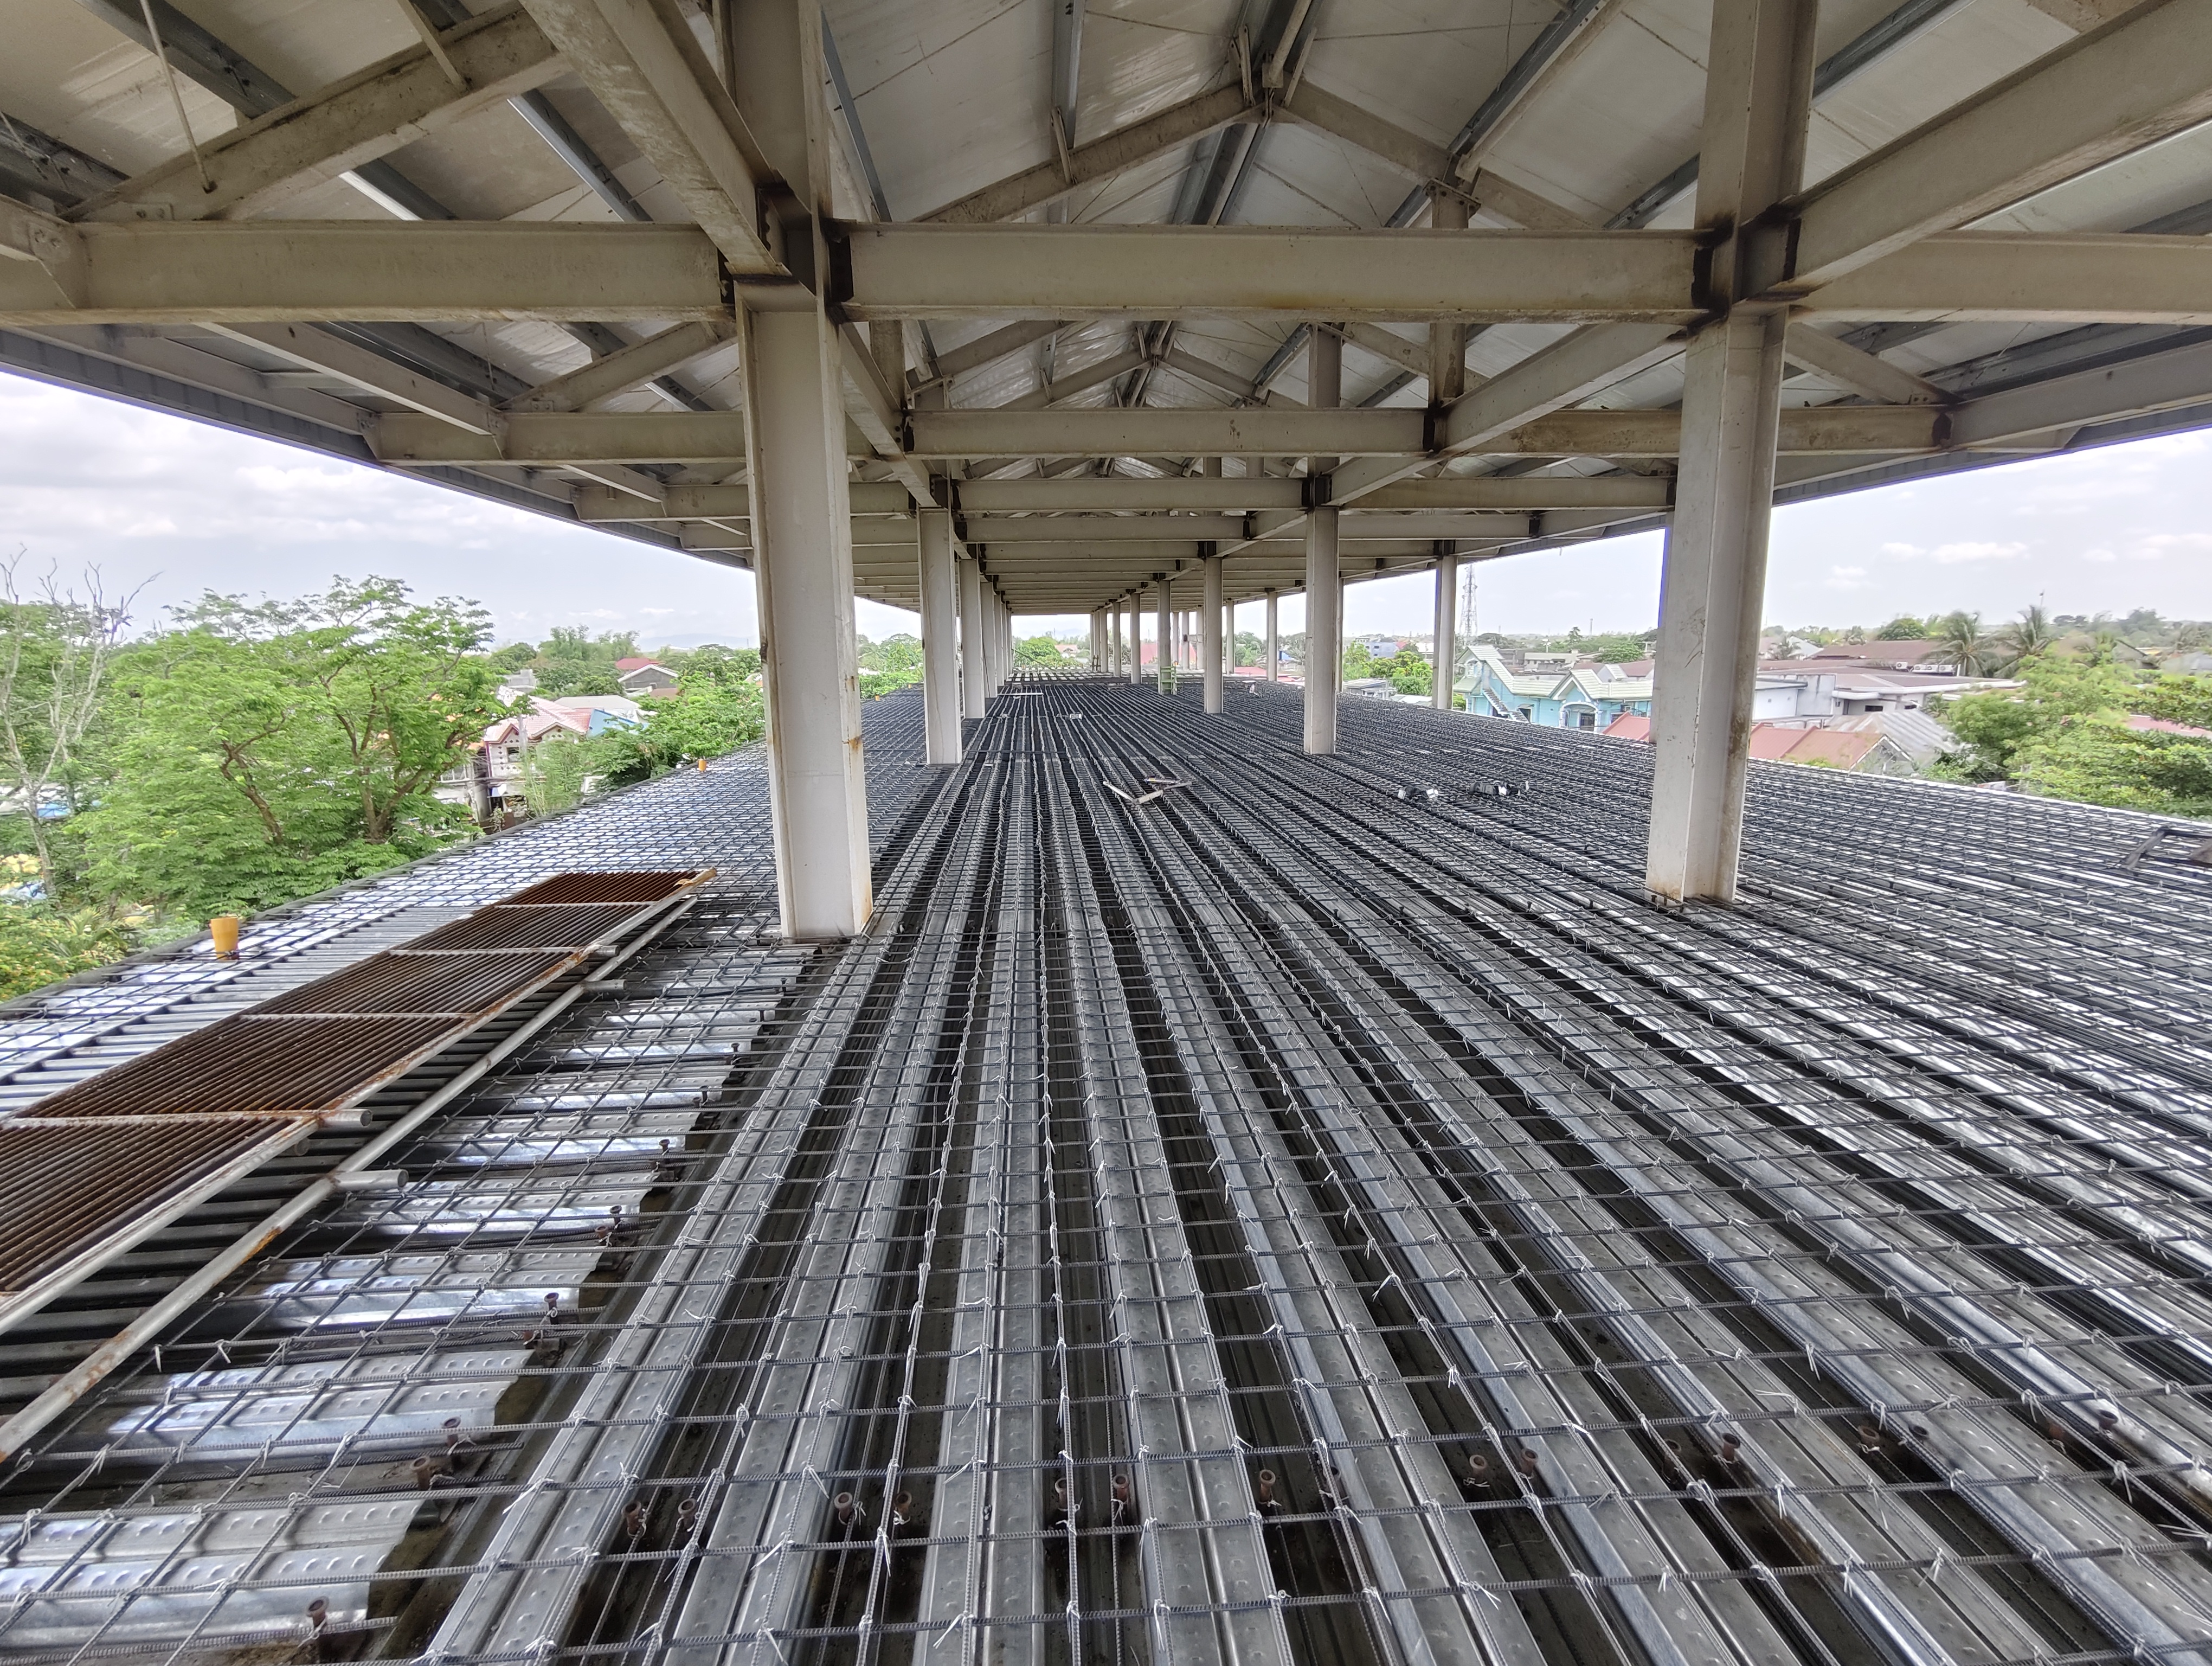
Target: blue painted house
[(1552, 691)]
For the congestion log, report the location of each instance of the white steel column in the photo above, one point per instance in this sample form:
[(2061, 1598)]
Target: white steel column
[(1136, 639), (940, 655), (1163, 665), (1324, 589), (1757, 90), (1274, 639), (803, 565), (974, 679), (1209, 624), (1446, 645)]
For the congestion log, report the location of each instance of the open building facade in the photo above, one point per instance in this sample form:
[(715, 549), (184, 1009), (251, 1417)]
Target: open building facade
[(1090, 1167)]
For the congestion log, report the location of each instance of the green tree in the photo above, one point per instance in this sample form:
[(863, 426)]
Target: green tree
[(1902, 628), (560, 679), (1999, 727), (713, 664), (2178, 700), (1961, 639), (2026, 638), (268, 750), (513, 657), (2098, 761), (56, 649), (1358, 662), (1035, 650), (41, 945), (1409, 673)]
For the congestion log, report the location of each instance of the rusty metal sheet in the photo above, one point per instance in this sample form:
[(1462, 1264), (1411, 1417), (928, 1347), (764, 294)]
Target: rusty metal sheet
[(506, 926), (82, 1171), (64, 1185), (399, 980), (638, 888), (254, 1065)]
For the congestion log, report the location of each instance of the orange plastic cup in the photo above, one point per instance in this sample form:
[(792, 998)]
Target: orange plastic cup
[(224, 929)]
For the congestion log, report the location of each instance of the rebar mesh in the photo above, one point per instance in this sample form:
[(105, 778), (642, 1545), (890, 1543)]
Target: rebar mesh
[(1297, 1218)]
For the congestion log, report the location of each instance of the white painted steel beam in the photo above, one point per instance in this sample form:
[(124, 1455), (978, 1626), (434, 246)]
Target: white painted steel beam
[(640, 61), (568, 439), (271, 272), (956, 361), (869, 498), (558, 439), (1101, 159), (1241, 271), (1854, 371), (2143, 77), (2028, 278), (1120, 432), (1325, 112), (1098, 494), (255, 169), (304, 345), (627, 367), (2051, 409), (1585, 362)]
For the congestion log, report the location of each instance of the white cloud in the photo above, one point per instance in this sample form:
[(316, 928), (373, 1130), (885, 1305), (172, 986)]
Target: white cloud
[(182, 508), (1903, 551), (1949, 555), (2158, 545), (2100, 555)]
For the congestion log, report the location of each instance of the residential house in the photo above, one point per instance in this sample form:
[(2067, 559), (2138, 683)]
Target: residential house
[(490, 777), (641, 678), (1863, 750), (514, 684), (1557, 691)]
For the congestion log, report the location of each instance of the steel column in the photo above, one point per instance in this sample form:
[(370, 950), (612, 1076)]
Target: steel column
[(940, 652), (1446, 644), (1274, 639), (974, 680), (1136, 667), (1324, 588), (1163, 665), (803, 566), (1209, 623), (1707, 665)]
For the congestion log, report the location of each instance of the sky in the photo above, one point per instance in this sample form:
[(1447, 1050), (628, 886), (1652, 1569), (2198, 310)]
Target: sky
[(171, 509)]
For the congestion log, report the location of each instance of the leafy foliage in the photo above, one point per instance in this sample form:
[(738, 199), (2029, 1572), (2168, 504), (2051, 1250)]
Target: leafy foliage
[(263, 751), (41, 945), (1038, 651), (2064, 733), (54, 652)]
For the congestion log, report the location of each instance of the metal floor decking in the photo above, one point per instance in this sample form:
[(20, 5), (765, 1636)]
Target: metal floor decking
[(1320, 1214)]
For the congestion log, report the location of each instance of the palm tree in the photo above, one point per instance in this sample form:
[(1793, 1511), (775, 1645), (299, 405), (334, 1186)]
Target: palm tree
[(2026, 637), (1960, 637)]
